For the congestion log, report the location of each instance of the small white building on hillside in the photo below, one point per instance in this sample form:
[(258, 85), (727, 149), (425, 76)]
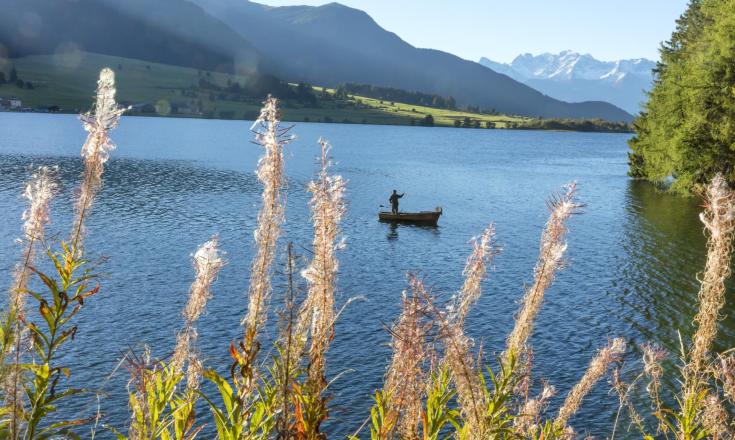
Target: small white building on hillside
[(14, 103)]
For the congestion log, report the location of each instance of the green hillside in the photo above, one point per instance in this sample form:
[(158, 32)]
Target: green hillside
[(163, 90)]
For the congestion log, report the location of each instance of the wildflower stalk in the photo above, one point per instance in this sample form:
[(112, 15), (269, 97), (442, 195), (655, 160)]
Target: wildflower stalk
[(623, 390), (270, 136), (553, 246), (405, 379), (286, 366), (155, 400), (527, 421), (244, 396), (483, 251), (38, 191), (104, 117), (327, 208), (466, 374), (719, 222), (595, 371), (67, 289), (65, 294), (697, 403), (208, 261), (652, 357)]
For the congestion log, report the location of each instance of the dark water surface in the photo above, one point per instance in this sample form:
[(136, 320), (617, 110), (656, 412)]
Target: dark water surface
[(172, 183)]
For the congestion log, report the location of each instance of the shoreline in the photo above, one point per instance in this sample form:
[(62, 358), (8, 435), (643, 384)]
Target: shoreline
[(289, 120)]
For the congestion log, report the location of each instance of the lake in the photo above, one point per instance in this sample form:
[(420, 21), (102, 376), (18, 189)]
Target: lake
[(632, 260)]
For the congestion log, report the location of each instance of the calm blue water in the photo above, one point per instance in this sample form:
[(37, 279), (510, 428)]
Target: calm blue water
[(172, 183)]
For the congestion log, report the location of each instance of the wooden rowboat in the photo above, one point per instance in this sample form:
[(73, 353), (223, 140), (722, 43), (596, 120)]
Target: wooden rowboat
[(429, 218)]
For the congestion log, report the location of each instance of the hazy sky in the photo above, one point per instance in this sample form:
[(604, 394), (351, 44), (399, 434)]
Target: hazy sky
[(502, 29)]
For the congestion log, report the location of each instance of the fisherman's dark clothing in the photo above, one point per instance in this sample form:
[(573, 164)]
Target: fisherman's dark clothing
[(394, 202)]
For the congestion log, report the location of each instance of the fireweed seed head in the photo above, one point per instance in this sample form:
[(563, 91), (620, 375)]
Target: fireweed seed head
[(551, 254), (272, 138), (104, 117), (483, 251), (38, 192), (719, 222), (597, 368), (208, 260)]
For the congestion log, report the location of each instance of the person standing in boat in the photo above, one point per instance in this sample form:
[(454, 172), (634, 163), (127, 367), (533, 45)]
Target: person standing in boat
[(394, 201)]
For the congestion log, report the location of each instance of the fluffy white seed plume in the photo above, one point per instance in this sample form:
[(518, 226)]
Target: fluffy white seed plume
[(405, 379), (715, 418), (458, 357), (483, 251), (471, 394), (719, 222), (327, 206), (529, 415), (553, 246), (208, 261), (104, 117), (599, 365), (272, 138), (39, 191)]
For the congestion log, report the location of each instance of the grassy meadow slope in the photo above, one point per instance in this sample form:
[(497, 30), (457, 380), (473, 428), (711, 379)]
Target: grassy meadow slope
[(63, 80)]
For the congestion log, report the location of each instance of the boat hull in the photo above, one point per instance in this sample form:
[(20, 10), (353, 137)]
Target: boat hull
[(430, 218)]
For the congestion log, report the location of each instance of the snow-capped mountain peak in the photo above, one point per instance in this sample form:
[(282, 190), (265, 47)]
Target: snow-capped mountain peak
[(568, 65), (573, 76)]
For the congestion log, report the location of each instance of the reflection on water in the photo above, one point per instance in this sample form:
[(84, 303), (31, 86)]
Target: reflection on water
[(666, 249), (394, 227), (633, 255), (392, 231)]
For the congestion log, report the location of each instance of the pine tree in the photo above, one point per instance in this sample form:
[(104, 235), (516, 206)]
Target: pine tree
[(687, 129)]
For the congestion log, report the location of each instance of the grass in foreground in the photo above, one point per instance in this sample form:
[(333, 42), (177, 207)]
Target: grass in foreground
[(437, 384)]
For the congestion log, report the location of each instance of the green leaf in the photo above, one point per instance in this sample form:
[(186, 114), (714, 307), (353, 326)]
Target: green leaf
[(49, 282)]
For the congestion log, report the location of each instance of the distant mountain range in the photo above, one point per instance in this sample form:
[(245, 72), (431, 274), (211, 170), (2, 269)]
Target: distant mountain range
[(333, 43), (574, 77), (324, 45)]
